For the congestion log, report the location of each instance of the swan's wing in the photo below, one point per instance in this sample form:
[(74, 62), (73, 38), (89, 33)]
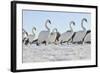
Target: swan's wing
[(43, 36), (52, 37), (79, 36), (87, 38), (31, 37), (66, 36)]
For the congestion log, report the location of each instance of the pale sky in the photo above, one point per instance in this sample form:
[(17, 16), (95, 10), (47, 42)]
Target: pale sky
[(59, 20)]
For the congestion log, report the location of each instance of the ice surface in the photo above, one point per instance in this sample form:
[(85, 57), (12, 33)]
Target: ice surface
[(52, 52)]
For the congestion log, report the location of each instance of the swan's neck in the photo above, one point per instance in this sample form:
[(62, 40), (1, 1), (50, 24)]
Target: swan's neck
[(47, 26), (84, 29), (33, 32), (72, 22), (71, 27)]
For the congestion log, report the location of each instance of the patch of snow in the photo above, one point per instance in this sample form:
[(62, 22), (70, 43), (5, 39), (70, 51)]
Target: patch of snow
[(52, 52)]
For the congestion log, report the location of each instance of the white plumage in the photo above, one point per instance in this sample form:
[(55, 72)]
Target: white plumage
[(79, 36), (65, 37), (43, 35), (54, 35), (32, 35)]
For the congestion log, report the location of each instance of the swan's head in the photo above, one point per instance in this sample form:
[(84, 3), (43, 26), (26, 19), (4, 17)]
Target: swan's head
[(48, 21), (72, 22), (34, 28), (84, 19)]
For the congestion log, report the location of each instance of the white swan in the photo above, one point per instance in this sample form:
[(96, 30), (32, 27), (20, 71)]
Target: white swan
[(79, 36), (66, 36), (43, 35), (54, 36), (31, 36)]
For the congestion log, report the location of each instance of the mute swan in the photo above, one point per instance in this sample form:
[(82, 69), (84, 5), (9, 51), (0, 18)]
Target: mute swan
[(66, 36), (54, 36), (43, 35), (31, 36), (79, 36)]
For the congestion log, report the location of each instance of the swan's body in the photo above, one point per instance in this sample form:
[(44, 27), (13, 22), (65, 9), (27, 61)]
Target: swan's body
[(54, 36), (87, 38), (65, 37), (43, 35), (28, 38), (79, 36)]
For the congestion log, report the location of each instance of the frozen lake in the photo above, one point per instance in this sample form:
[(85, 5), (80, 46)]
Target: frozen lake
[(42, 53)]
